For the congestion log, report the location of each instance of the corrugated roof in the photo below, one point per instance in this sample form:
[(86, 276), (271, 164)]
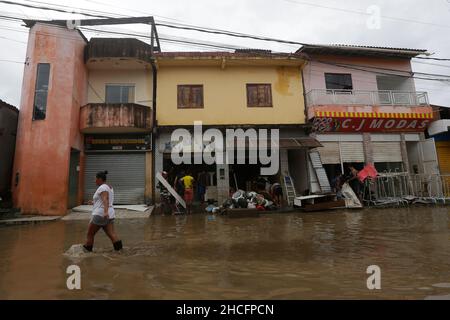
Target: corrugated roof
[(3, 104), (225, 54), (344, 49)]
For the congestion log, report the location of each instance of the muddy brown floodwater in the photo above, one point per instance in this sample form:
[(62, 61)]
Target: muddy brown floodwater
[(279, 256)]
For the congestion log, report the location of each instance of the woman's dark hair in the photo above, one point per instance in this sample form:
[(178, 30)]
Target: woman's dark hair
[(101, 175)]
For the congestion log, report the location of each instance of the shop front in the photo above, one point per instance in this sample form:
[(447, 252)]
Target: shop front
[(243, 169), (127, 158), (393, 142)]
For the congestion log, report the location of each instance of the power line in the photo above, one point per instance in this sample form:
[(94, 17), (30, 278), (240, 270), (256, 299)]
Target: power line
[(6, 38), (389, 74), (394, 70), (367, 14), (430, 58), (433, 64), (233, 48), (52, 9), (231, 34), (11, 61)]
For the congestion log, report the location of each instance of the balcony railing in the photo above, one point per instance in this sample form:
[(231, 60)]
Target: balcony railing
[(319, 97)]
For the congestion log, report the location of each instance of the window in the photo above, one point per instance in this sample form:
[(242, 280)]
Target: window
[(119, 93), (190, 96), (338, 81), (41, 91), (259, 95)]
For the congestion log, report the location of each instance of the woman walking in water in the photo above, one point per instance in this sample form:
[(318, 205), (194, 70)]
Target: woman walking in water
[(103, 214)]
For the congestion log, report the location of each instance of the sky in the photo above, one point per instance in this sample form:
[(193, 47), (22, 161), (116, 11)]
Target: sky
[(400, 23)]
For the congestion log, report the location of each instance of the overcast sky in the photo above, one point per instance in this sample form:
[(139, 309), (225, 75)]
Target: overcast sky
[(404, 23)]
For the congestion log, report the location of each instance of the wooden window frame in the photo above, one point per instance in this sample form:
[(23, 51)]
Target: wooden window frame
[(249, 103), (190, 106)]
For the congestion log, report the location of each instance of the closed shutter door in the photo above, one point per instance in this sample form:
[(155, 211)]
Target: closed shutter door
[(352, 152), (443, 150), (329, 153), (126, 174), (387, 152)]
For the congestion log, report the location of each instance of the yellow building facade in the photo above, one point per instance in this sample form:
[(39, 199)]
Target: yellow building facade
[(224, 78), (223, 90)]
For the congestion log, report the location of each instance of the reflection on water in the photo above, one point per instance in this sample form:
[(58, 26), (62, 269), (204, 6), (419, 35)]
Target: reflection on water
[(282, 256)]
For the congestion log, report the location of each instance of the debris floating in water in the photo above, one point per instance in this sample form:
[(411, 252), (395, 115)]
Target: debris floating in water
[(76, 251)]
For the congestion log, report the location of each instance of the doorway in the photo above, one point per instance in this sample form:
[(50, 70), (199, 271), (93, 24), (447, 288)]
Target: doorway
[(74, 170)]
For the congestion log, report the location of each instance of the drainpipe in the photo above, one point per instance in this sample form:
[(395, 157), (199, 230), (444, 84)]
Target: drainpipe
[(154, 126)]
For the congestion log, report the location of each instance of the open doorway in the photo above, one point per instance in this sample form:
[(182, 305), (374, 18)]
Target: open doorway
[(74, 171)]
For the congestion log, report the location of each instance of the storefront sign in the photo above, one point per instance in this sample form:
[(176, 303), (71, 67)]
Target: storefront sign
[(118, 142), (396, 123)]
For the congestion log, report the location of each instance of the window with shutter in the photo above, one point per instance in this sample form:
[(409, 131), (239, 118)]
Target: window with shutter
[(190, 96), (259, 95)]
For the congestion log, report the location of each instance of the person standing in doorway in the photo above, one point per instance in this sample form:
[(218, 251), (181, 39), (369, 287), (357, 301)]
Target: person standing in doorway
[(202, 182), (188, 185), (103, 214), (354, 182), (178, 184)]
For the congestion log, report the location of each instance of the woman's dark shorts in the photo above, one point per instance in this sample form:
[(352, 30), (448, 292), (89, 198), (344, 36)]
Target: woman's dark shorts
[(101, 221)]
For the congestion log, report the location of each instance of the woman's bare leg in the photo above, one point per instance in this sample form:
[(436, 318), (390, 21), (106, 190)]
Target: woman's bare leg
[(110, 232), (92, 230)]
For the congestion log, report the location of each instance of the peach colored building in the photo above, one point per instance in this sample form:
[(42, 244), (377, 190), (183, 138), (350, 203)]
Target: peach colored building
[(86, 106), (364, 108)]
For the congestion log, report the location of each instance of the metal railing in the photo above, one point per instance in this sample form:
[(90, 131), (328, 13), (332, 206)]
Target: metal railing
[(361, 97), (401, 189)]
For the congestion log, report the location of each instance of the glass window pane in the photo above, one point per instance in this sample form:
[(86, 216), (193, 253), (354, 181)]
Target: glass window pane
[(119, 94), (41, 91), (338, 81)]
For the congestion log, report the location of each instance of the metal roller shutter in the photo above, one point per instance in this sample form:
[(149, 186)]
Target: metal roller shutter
[(352, 151), (387, 152), (443, 150), (329, 153), (126, 175)]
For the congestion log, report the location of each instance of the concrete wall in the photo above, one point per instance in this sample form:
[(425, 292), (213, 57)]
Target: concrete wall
[(8, 131), (225, 95), (314, 71), (141, 78), (43, 147)]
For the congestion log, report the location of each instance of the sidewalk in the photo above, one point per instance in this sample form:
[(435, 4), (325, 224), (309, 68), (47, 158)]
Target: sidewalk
[(28, 220), (84, 213)]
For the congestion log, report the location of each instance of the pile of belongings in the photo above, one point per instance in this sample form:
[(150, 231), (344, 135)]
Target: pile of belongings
[(249, 200)]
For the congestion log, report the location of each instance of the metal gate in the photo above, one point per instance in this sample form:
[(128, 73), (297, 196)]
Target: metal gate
[(352, 152), (126, 174), (387, 152)]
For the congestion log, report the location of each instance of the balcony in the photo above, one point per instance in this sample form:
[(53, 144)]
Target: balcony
[(117, 53), (319, 97), (115, 118), (366, 101)]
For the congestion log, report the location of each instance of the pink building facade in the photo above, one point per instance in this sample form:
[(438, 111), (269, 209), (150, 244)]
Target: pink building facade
[(81, 113), (364, 108)]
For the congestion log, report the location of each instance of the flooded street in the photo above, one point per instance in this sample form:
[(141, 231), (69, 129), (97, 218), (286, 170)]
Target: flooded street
[(279, 256)]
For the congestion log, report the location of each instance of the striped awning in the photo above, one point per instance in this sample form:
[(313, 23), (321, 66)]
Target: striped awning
[(373, 115)]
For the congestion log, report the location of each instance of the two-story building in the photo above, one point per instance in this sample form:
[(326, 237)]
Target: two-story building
[(86, 106), (364, 108), (246, 89)]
